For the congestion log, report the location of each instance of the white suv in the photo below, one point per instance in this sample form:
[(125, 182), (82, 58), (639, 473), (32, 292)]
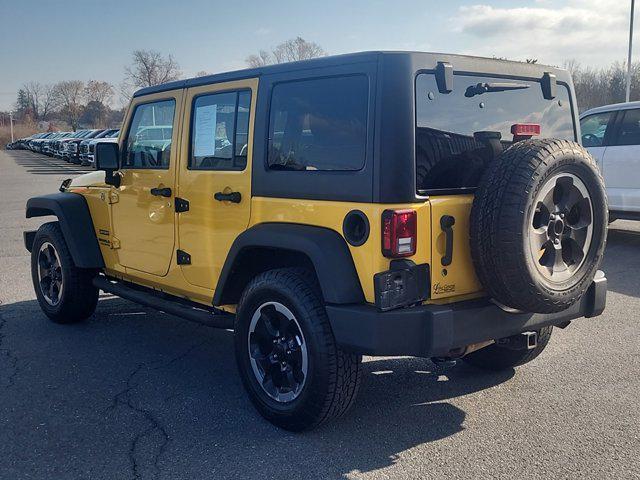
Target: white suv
[(612, 135)]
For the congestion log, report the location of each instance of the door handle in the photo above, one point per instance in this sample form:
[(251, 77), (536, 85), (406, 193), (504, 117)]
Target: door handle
[(446, 223), (161, 192), (233, 197)]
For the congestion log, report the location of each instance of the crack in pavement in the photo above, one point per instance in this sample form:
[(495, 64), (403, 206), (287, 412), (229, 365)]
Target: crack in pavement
[(124, 398)]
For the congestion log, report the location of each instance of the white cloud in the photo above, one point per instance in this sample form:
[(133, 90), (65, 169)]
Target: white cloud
[(261, 31), (594, 32)]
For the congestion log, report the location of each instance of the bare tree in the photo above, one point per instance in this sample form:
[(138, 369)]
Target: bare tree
[(69, 95), (150, 68), (33, 91), (49, 101), (260, 60), (98, 91), (41, 99), (203, 73), (289, 51)]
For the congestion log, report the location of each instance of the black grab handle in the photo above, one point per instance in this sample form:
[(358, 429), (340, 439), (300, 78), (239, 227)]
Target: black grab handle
[(233, 197), (161, 192), (446, 223)]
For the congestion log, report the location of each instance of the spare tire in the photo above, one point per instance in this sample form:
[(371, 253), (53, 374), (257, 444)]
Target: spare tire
[(539, 225)]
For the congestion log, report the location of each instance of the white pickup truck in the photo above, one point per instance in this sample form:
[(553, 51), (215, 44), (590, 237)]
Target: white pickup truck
[(611, 133)]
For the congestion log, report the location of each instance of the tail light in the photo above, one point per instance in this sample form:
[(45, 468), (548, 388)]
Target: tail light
[(399, 233), (522, 131)]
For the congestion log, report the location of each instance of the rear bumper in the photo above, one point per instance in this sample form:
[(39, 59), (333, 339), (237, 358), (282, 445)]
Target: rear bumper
[(436, 330)]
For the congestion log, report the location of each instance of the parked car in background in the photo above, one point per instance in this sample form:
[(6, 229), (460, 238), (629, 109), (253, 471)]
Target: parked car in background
[(63, 150), (56, 145), (611, 133), (88, 147), (35, 144), (47, 144), (73, 145)]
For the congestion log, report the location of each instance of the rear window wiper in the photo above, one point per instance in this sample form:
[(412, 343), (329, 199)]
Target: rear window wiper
[(481, 88)]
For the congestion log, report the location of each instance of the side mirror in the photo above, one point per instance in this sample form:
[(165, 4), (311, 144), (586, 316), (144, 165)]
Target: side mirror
[(106, 158)]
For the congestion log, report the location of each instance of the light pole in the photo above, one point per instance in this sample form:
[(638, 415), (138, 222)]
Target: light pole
[(11, 123), (628, 93)]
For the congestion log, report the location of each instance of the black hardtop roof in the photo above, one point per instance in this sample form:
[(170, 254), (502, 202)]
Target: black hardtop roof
[(427, 59)]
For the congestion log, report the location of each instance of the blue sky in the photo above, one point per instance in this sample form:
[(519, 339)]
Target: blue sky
[(49, 41)]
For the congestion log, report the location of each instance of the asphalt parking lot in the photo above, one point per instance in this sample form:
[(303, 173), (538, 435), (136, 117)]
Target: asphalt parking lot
[(133, 393)]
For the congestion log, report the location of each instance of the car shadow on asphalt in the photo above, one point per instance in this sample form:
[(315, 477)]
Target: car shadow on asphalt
[(622, 261), (173, 388), (37, 164)]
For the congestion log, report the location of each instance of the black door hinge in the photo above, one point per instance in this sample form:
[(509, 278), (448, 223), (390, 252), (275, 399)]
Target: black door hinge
[(183, 258), (181, 205)]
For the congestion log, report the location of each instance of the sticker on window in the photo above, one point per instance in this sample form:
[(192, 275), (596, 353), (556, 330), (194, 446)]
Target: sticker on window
[(205, 131)]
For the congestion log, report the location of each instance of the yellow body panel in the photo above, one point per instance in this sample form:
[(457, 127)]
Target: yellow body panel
[(367, 258), (459, 278), (98, 201), (144, 224), (138, 233), (210, 227)]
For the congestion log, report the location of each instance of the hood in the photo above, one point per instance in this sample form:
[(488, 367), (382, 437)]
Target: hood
[(91, 179)]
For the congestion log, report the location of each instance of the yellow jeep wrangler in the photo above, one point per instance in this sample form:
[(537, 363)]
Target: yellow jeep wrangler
[(378, 203)]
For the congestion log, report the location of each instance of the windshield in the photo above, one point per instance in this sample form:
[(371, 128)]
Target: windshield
[(459, 133)]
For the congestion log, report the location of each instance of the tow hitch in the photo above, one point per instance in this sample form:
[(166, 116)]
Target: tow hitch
[(522, 341)]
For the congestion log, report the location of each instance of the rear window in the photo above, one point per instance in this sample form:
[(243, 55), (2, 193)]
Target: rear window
[(319, 124), (459, 133)]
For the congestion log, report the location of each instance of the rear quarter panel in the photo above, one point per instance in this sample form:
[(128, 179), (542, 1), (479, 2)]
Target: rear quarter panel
[(368, 258)]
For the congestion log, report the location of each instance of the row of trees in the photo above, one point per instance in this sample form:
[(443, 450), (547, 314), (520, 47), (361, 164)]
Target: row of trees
[(602, 86), (76, 103), (90, 103), (71, 101)]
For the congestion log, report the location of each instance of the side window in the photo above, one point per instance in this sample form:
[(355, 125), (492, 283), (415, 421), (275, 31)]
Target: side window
[(594, 128), (319, 124), (148, 143), (220, 131), (629, 130)]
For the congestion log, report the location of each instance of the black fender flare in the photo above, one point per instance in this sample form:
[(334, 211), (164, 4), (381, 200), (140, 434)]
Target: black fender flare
[(75, 222), (325, 248)]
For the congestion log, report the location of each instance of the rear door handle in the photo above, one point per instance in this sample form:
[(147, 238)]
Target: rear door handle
[(161, 192), (446, 223), (233, 197)]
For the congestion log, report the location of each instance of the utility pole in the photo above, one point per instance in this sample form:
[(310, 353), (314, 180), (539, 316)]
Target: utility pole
[(628, 93), (11, 122)]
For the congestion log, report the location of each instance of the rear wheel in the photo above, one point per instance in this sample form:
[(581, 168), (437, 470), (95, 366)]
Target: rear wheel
[(495, 357), (295, 374), (65, 292)]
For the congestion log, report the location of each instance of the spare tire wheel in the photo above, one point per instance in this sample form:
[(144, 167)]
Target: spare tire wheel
[(538, 225)]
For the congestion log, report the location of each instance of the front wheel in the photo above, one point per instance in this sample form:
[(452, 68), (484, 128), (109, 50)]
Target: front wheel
[(65, 292), (295, 374)]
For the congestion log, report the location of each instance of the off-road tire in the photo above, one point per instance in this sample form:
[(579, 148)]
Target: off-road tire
[(500, 216), (79, 297), (333, 376), (498, 358)]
